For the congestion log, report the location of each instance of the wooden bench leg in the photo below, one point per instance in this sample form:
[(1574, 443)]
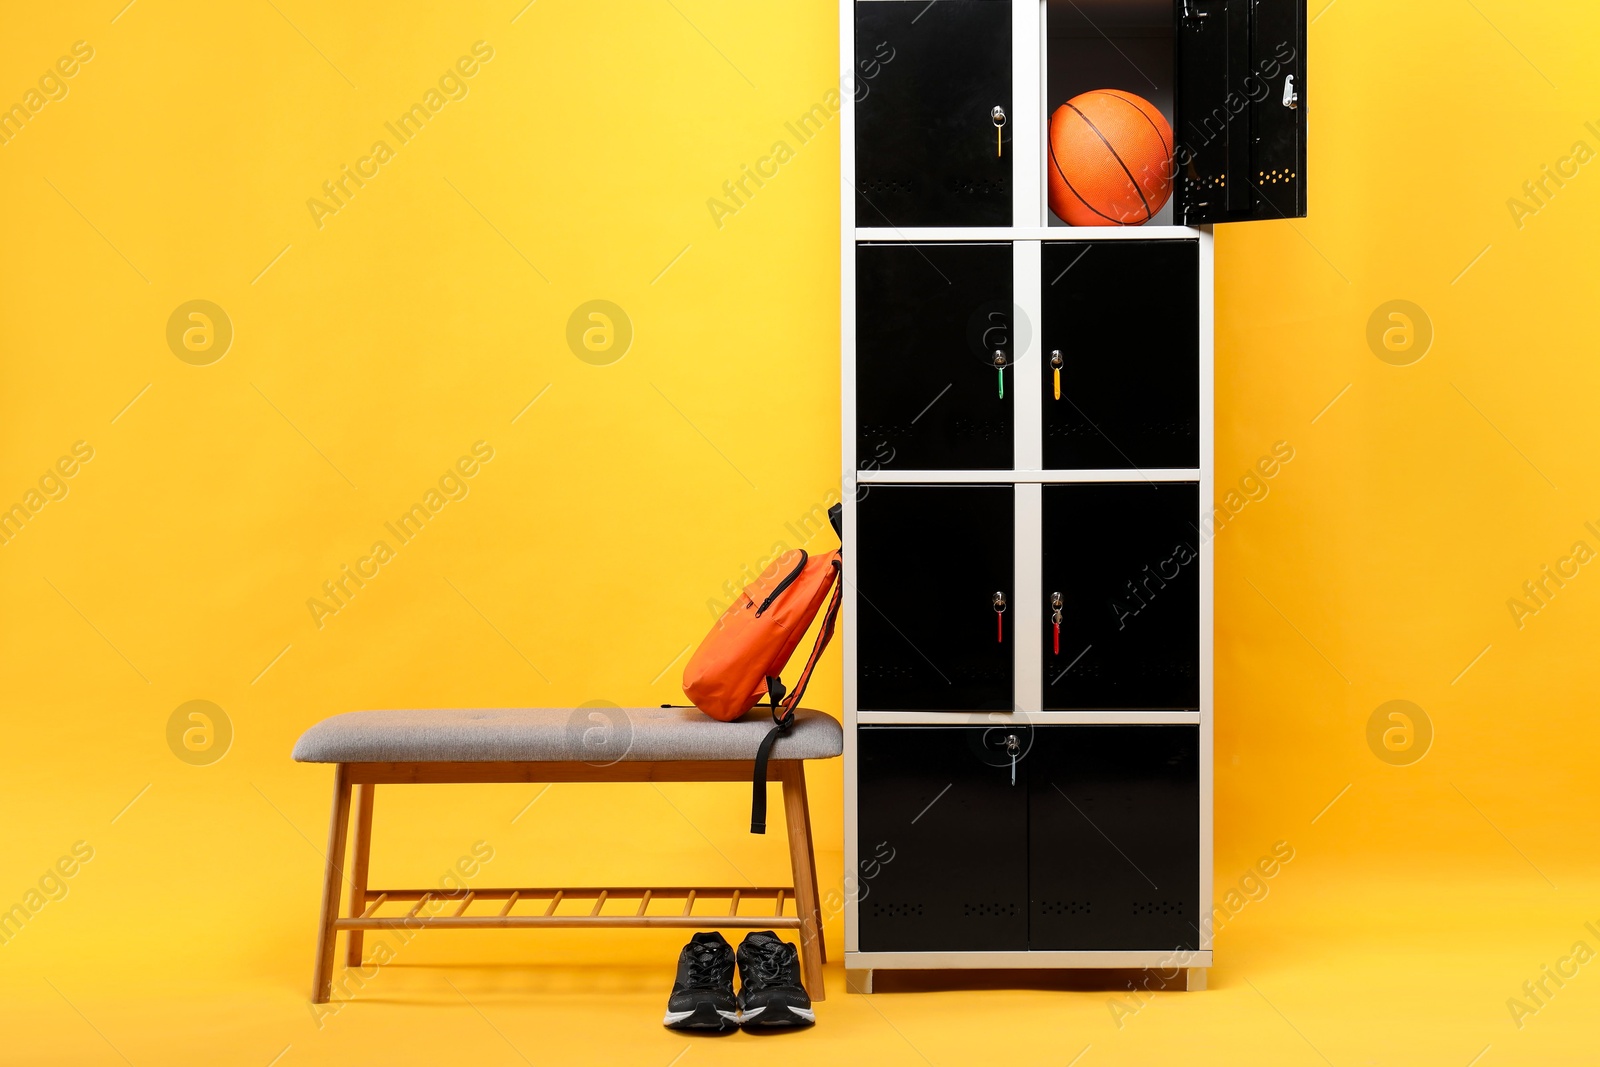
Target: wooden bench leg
[(358, 870), (338, 828), (797, 817), (811, 860)]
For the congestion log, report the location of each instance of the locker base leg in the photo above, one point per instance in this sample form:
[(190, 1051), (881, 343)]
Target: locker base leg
[(1196, 978), (858, 981)]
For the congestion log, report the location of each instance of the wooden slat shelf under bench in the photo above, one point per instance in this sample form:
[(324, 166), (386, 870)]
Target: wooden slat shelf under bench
[(744, 907)]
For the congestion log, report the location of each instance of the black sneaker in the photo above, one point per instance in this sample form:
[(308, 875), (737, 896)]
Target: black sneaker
[(702, 997), (770, 994)]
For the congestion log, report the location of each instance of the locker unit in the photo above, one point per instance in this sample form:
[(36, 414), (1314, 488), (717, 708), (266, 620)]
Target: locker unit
[(1027, 434)]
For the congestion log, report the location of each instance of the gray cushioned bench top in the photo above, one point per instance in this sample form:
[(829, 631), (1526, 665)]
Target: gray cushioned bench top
[(588, 734)]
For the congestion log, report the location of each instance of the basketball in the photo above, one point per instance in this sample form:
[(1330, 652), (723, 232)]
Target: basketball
[(1110, 159)]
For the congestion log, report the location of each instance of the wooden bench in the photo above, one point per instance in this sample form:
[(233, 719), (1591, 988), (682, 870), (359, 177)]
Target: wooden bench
[(546, 745)]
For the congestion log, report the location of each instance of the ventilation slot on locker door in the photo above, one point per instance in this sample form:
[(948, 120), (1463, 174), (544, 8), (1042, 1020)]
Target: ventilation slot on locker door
[(1165, 670), (879, 910), (888, 186), (1065, 907), (1195, 188), (887, 673), (870, 430), (980, 675), (989, 911), (1158, 907), (1072, 430), (978, 188), (962, 432), (970, 430)]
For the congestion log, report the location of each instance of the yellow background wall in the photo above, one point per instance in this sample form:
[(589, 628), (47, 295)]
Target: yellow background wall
[(374, 346)]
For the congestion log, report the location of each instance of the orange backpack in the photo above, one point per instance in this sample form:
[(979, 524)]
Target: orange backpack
[(737, 666)]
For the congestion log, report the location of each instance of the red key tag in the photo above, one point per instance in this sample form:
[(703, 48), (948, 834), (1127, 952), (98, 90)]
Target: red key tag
[(999, 603), (1055, 624)]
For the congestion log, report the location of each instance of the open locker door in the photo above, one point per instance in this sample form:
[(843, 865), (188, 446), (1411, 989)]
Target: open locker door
[(1241, 110)]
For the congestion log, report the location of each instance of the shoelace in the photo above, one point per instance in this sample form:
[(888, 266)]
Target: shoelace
[(772, 962), (708, 969)]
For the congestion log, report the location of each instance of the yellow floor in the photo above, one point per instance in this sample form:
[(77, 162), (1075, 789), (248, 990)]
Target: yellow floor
[(1320, 970)]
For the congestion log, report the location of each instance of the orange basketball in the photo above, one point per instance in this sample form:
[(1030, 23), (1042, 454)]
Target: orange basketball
[(1110, 159)]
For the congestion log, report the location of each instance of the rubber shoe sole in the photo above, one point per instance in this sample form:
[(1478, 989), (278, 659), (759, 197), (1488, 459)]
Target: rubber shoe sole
[(777, 1017), (703, 1018)]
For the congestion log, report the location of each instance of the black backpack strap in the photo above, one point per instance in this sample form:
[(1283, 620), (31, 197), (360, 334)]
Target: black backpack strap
[(758, 795), (783, 707)]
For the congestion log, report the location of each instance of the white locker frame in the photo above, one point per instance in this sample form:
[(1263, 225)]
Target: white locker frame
[(1029, 41)]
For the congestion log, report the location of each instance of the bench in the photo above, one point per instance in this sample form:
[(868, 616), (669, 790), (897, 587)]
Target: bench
[(600, 743)]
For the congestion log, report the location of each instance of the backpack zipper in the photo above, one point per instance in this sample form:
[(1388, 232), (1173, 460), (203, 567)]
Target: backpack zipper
[(786, 583)]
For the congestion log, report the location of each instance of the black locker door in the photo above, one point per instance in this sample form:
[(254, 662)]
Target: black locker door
[(926, 152), (1114, 837), (933, 356), (1122, 319), (1241, 110), (944, 839), (1123, 557), (931, 561)]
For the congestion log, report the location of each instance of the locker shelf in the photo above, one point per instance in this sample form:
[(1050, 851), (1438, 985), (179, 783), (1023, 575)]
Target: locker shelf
[(1123, 474), (940, 961), (1031, 718), (1057, 232)]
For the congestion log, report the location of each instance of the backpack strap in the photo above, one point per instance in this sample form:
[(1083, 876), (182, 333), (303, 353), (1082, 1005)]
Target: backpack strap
[(783, 707)]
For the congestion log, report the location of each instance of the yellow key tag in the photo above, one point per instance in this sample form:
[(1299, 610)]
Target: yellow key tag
[(997, 115), (1055, 364), (1057, 376)]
